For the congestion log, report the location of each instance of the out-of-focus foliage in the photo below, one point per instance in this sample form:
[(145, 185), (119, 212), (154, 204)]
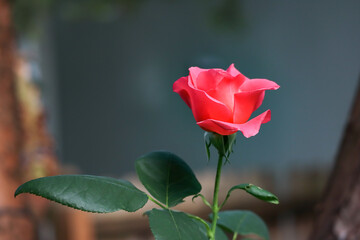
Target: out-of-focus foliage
[(97, 9), (27, 14), (225, 14)]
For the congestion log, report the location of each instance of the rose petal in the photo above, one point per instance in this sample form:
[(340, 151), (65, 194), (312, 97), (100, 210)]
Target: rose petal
[(232, 70), (258, 84), (179, 88), (260, 100), (248, 129), (245, 103), (225, 90), (207, 79), (194, 72), (202, 105), (220, 127)]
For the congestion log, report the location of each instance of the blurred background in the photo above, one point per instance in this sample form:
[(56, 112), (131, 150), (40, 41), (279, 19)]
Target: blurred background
[(99, 75)]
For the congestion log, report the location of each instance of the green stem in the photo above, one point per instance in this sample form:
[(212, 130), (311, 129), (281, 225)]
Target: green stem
[(203, 199), (200, 220), (215, 206), (226, 198), (156, 202), (234, 236)]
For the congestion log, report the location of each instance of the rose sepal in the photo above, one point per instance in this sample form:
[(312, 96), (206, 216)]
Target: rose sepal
[(222, 143)]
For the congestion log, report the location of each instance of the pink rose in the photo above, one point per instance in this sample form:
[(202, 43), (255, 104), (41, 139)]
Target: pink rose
[(223, 101)]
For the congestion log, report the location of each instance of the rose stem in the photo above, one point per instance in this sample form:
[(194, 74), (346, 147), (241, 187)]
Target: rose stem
[(215, 206)]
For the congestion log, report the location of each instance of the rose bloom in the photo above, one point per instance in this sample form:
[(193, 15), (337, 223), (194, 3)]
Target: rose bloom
[(223, 101)]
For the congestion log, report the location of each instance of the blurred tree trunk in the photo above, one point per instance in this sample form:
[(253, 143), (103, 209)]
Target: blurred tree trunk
[(338, 216), (15, 220)]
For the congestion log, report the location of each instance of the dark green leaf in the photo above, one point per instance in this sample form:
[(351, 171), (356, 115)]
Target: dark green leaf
[(172, 225), (87, 193), (243, 223), (256, 191), (167, 177)]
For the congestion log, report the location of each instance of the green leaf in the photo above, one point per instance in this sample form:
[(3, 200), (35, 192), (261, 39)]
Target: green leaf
[(167, 177), (87, 193), (256, 191), (244, 223), (166, 224)]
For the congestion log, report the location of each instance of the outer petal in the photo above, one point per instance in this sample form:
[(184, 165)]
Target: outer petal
[(245, 103), (194, 73), (248, 129), (232, 70), (179, 87), (202, 105), (258, 84)]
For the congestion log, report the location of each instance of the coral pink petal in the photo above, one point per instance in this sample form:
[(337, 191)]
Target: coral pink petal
[(220, 127), (260, 100), (207, 80), (202, 105), (233, 71), (225, 90), (194, 72), (180, 87), (245, 103), (248, 129), (258, 84)]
